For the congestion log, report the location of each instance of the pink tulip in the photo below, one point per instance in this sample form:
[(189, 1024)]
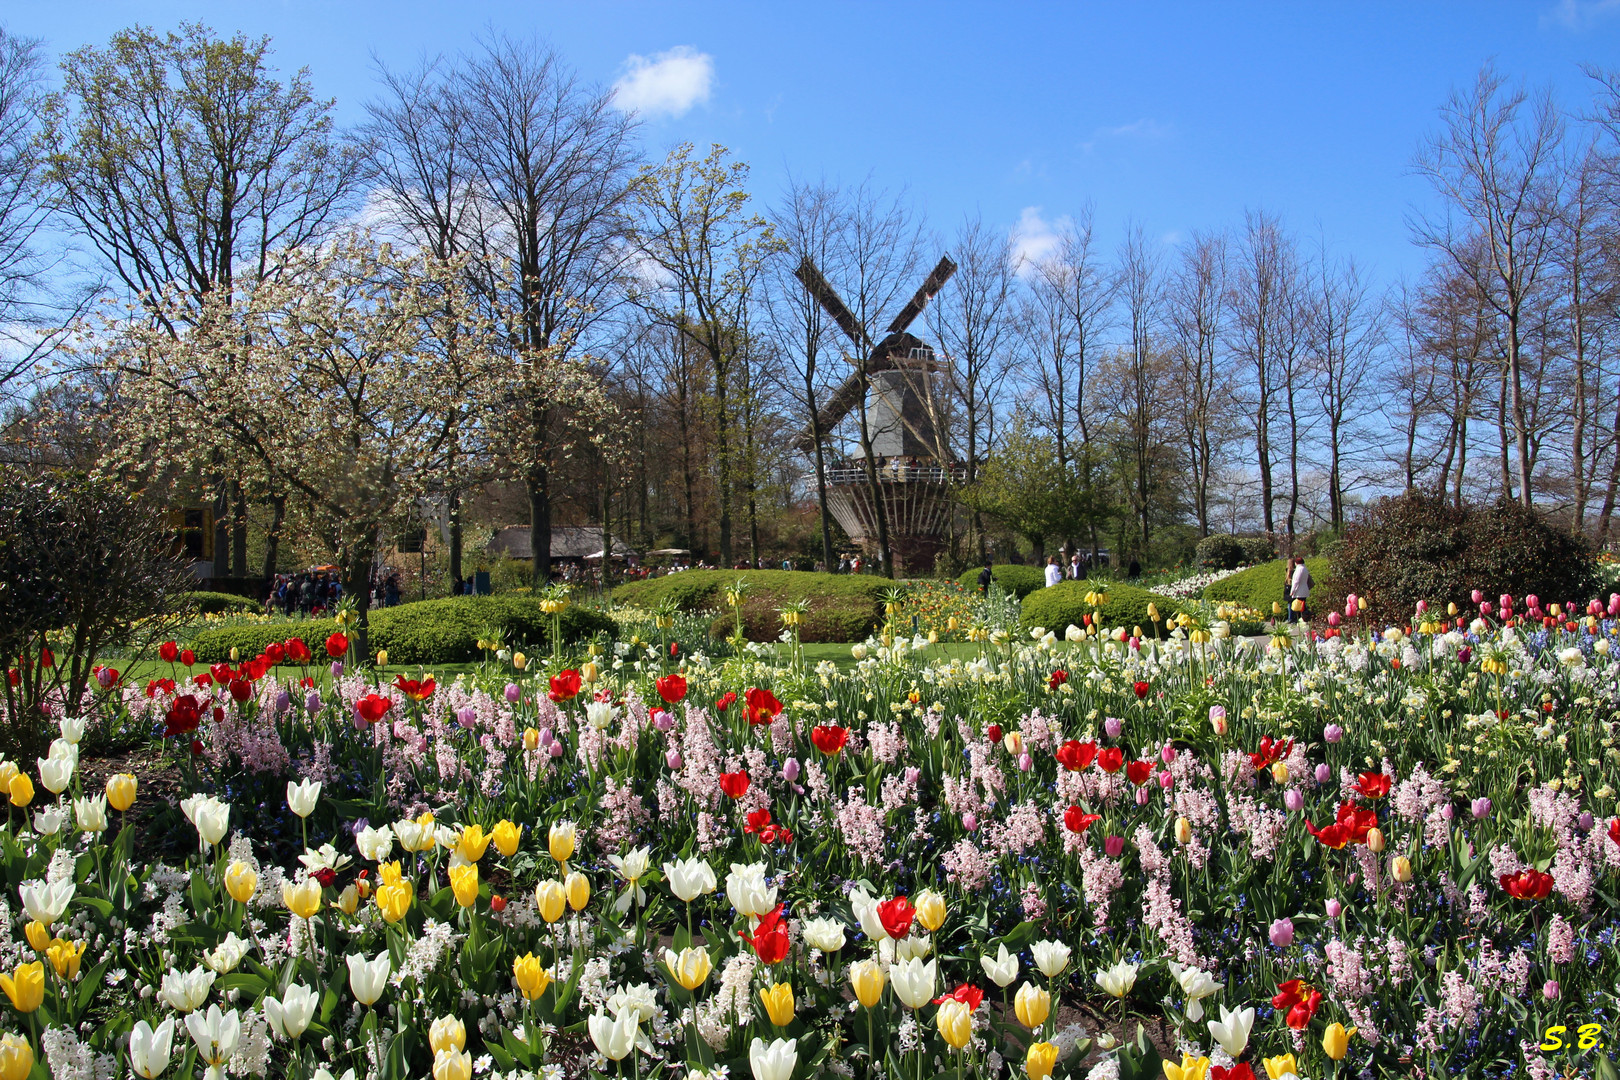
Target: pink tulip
[(970, 821), (513, 693), (1422, 606), (1333, 909), (467, 716), (790, 770), (1333, 618), (1112, 726), (1477, 596), (556, 749), (1333, 733), (1166, 778), (1349, 610), (1505, 601), (1485, 608), (1025, 762), (1595, 608), (1481, 807), (1533, 600), (1282, 933), (1294, 800), (1114, 846), (1549, 989), (1323, 773), (1141, 796), (1168, 754), (672, 758)]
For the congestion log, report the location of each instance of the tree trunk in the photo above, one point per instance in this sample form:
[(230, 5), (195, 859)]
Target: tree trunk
[(357, 584), (536, 482), (222, 529), (239, 566), (272, 540), (455, 535)]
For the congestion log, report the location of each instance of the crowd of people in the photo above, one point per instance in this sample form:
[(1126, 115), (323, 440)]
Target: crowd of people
[(311, 592)]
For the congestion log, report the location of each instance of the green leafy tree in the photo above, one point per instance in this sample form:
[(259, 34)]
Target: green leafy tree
[(1026, 487)]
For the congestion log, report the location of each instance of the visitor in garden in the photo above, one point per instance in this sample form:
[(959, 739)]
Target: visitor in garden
[(984, 578), (1054, 572), (1133, 571), (1299, 588)]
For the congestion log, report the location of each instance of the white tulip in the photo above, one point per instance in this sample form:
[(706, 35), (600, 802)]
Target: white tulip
[(614, 1036), (599, 714), (690, 878), (91, 814), (1197, 984), (149, 1048), (747, 890), (375, 844), (631, 868), (1001, 970), (1232, 1030), (638, 999), (1074, 633), (224, 957), (912, 946), (49, 821), (290, 1016), (72, 728), (46, 901), (773, 1062), (1117, 980), (185, 991), (55, 774), (1037, 632), (302, 797), (63, 750), (824, 934), (211, 817), (216, 1035), (913, 982), (322, 1074), (368, 978), (1051, 957), (866, 913), (412, 837)]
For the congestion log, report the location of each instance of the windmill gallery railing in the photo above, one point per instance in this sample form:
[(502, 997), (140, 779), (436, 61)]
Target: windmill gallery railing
[(896, 472)]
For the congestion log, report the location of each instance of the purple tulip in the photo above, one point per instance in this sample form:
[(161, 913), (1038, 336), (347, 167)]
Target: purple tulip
[(1482, 808), (1168, 754), (912, 774), (312, 701), (337, 669), (1282, 933), (1141, 796), (1333, 733), (1464, 654), (1114, 846), (283, 701), (556, 749), (1294, 800), (1333, 909), (1113, 726), (790, 770), (1448, 812), (1323, 773), (1549, 989), (467, 716), (663, 720), (672, 758), (970, 821), (1585, 821), (513, 693)]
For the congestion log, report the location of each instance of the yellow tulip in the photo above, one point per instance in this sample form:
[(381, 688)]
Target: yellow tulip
[(65, 958), (507, 836), (26, 987), (589, 673), (121, 789), (955, 1023), (382, 657), (532, 978), (16, 1058), (1375, 840), (578, 888), (531, 738), (234, 656), (1400, 868), (1040, 1059), (39, 936), (690, 967), (549, 897), (1191, 1068), (447, 1033), (394, 900), (1183, 831), (302, 899), (348, 900), (452, 1065), (389, 873), (1032, 1005), (1336, 1040), (241, 881), (472, 843), (560, 840), (866, 977), (930, 908), (1279, 772), (464, 883), (778, 999), (21, 790), (1280, 1066), (520, 661)]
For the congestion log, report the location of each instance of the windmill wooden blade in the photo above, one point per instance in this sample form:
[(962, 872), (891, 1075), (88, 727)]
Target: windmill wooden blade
[(930, 288), (818, 287), (845, 398)]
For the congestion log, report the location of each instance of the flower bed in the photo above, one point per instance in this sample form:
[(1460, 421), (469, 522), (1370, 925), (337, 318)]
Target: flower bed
[(1359, 855)]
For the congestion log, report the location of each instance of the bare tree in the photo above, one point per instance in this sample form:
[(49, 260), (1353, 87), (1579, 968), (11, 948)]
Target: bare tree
[(1197, 313), (1258, 306), (25, 313), (1496, 163), (1344, 337), (1141, 404)]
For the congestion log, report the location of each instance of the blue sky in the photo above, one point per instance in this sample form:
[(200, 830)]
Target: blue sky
[(1175, 116)]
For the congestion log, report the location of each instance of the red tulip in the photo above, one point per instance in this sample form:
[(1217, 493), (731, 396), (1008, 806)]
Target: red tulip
[(497, 904), (727, 700), (337, 646), (1139, 772), (14, 677), (1077, 820), (1350, 827), (896, 916), (47, 659), (564, 685), (241, 689), (169, 652), (734, 784), (1110, 760), (187, 657), (1300, 1000), (184, 714), (1270, 752), (829, 738), (1528, 885), (1075, 755), (275, 652), (1614, 830), (373, 707), (769, 938), (757, 821), (1141, 689), (672, 688), (416, 691), (1236, 1072), (221, 673), (762, 706), (993, 733), (967, 994), (1057, 679), (1373, 785), (297, 651)]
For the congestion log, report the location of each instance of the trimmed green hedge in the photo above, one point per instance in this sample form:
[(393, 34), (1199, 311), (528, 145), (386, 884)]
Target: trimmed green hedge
[(843, 607), (215, 603), (426, 632), (1261, 586), (1056, 608), (1016, 581)]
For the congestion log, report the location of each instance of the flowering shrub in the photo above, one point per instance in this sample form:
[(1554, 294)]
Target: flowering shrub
[(1368, 852)]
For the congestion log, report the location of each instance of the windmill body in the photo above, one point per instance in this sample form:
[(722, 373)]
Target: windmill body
[(915, 470)]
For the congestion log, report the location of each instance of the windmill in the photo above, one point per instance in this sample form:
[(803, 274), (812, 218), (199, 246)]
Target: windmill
[(894, 374)]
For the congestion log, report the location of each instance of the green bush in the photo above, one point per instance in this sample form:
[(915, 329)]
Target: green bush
[(427, 632), (1219, 552), (843, 607), (216, 603), (1056, 608), (1261, 586), (1415, 548), (1016, 581), (1257, 549)]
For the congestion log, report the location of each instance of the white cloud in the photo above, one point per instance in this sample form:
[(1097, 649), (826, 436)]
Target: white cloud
[(1034, 239), (1579, 14), (668, 83)]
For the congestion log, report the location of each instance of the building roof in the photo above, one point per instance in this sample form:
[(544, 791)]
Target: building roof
[(567, 542)]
